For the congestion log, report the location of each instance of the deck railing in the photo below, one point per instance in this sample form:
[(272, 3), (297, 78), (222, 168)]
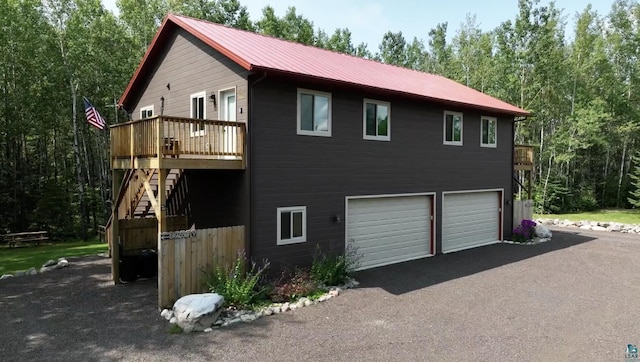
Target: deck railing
[(175, 137), (523, 155)]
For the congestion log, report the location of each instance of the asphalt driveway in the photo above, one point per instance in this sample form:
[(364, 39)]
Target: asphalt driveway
[(574, 298)]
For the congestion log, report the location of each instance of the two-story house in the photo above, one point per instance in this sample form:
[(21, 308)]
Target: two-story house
[(312, 147)]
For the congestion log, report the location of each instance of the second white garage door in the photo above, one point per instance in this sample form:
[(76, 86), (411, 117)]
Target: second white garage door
[(470, 219), (387, 230)]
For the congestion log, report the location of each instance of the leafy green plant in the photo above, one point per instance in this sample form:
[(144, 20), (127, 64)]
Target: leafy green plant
[(238, 286), (334, 270), (175, 329), (291, 286)]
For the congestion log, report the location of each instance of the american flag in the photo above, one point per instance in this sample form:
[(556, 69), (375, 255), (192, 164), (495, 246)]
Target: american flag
[(93, 117)]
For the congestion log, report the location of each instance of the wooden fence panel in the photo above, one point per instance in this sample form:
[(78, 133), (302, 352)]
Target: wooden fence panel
[(184, 260), (522, 209)]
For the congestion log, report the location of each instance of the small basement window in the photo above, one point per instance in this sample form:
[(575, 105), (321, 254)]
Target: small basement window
[(292, 225), (452, 128), (377, 120), (489, 132), (314, 113)]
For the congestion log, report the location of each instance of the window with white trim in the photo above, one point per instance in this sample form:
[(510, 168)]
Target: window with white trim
[(452, 128), (292, 225), (488, 131), (146, 112), (376, 123), (198, 111), (314, 113)]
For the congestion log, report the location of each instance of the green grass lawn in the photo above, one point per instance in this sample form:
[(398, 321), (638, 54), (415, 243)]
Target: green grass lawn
[(22, 258), (624, 216)]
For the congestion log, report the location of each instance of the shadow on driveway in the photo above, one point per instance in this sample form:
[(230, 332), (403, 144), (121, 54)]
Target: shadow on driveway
[(417, 274)]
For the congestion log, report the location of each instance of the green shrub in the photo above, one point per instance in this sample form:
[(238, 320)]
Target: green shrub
[(291, 286), (334, 270), (238, 286)]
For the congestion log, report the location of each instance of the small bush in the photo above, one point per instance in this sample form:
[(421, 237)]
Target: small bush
[(334, 270), (525, 231), (291, 286), (238, 286)]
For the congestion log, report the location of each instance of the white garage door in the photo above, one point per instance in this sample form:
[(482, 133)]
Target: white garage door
[(470, 219), (387, 230)]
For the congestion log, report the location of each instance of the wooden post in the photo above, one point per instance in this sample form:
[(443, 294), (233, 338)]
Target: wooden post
[(161, 215), (116, 181)]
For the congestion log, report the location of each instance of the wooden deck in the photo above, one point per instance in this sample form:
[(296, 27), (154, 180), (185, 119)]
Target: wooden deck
[(523, 158), (164, 142)]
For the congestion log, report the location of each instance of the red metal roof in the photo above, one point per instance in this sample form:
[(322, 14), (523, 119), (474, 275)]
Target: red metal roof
[(258, 52)]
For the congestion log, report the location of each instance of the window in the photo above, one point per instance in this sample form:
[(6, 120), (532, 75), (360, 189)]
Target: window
[(314, 113), (452, 128), (198, 111), (488, 132), (292, 225), (376, 120), (146, 112)]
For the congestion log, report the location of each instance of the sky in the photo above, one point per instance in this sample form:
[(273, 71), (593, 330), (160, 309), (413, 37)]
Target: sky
[(368, 20)]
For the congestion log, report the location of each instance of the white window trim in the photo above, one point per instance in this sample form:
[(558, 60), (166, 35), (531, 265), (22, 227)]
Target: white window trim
[(145, 109), (364, 120), (202, 94), (300, 131), (495, 122), (444, 129), (296, 240), (219, 101)]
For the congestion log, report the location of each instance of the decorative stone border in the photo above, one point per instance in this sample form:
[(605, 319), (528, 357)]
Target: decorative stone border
[(49, 265), (230, 317), (535, 241), (593, 225)]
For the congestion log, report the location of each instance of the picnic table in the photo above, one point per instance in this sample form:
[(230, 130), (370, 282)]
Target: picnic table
[(26, 237)]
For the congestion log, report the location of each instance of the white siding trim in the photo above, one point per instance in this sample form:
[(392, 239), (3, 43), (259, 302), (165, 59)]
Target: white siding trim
[(444, 129), (300, 131), (364, 120), (296, 240), (146, 109)]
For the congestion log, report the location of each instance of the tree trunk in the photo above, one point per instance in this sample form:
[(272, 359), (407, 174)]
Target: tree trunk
[(620, 176), (76, 151)]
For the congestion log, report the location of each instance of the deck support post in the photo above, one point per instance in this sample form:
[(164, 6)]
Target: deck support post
[(116, 182)]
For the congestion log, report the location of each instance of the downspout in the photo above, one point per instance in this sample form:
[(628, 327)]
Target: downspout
[(249, 164)]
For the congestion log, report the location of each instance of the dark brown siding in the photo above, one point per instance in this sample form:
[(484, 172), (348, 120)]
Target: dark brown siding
[(189, 66), (216, 198), (319, 172)]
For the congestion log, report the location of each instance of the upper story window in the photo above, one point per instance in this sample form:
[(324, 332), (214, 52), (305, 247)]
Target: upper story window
[(146, 112), (198, 111), (452, 128), (376, 120), (292, 225), (314, 113), (488, 132)]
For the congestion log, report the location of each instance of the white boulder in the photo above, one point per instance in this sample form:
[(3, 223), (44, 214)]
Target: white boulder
[(62, 264), (543, 232), (6, 276), (196, 312)]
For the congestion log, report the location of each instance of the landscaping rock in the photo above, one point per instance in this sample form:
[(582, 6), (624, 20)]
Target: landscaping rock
[(308, 302), (615, 227), (334, 292), (6, 276), (50, 263), (48, 268), (543, 231), (195, 312), (247, 317), (585, 227), (300, 304), (32, 271), (267, 312), (285, 307), (20, 273), (598, 228), (166, 314), (207, 330), (173, 320), (62, 264)]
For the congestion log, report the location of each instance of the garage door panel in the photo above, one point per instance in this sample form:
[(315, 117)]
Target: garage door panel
[(470, 220), (388, 230)]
